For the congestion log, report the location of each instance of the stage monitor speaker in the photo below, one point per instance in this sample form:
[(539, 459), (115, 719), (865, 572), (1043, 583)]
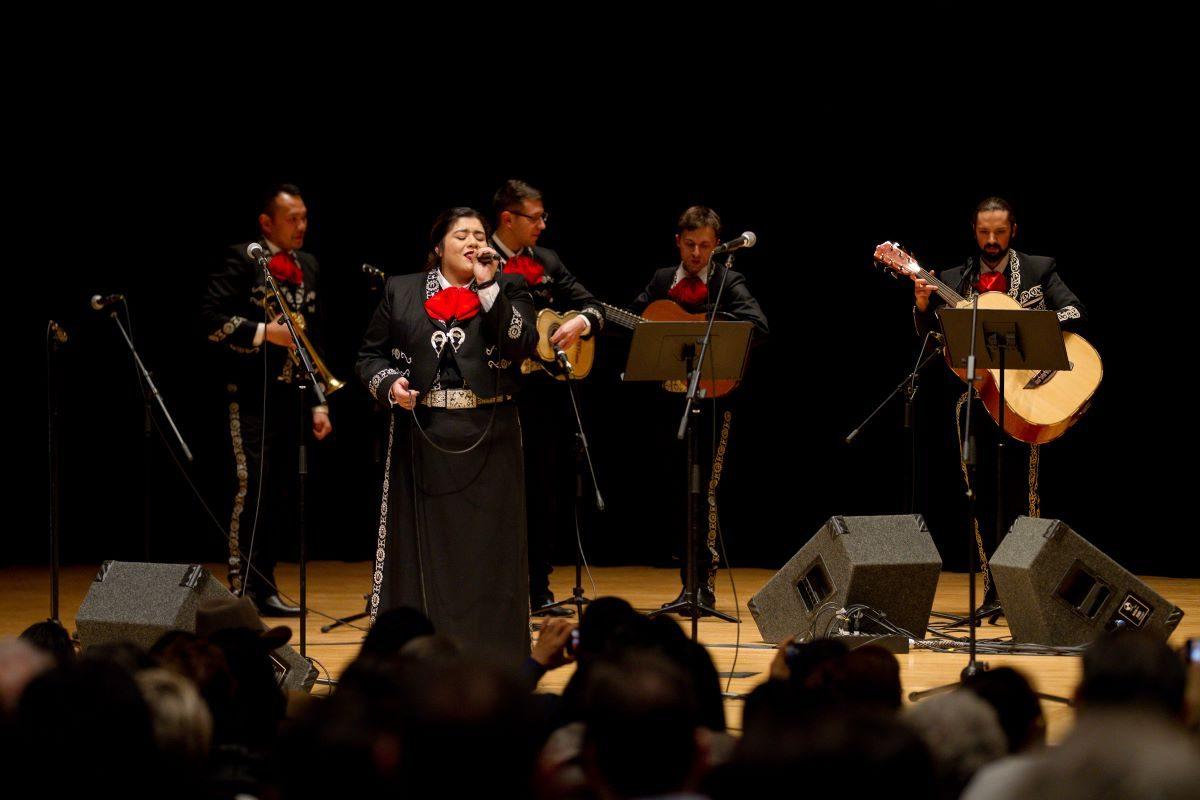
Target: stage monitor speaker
[(139, 602), (1058, 589), (888, 563)]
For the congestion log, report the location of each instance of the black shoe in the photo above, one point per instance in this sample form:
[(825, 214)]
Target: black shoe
[(706, 597), (273, 606), (538, 608), (990, 610)]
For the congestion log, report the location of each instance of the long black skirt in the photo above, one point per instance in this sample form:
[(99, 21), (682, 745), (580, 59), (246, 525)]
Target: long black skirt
[(452, 528)]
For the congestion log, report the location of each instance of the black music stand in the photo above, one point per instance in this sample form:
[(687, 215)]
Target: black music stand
[(1004, 339), (667, 351)]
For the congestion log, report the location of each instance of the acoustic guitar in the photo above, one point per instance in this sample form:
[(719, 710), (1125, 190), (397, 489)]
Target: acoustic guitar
[(1040, 406), (668, 311), (583, 353)]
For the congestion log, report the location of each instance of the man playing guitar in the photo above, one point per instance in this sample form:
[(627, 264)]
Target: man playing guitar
[(697, 234), (520, 219), (1034, 283)]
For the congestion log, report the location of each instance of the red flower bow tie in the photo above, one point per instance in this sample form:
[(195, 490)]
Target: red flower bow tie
[(527, 267), (992, 282), (690, 291), (284, 268), (454, 303)]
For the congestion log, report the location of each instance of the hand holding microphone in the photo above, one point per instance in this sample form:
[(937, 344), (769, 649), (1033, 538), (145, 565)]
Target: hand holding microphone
[(485, 262)]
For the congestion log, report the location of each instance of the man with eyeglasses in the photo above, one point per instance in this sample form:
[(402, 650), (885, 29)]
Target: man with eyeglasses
[(545, 410)]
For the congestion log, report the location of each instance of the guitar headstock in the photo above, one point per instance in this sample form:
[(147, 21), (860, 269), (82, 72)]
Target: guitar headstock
[(890, 255)]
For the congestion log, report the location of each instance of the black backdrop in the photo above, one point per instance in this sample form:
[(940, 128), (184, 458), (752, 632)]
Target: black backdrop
[(145, 210)]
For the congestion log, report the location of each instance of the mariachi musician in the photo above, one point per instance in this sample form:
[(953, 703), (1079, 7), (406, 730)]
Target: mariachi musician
[(546, 426), (692, 284)]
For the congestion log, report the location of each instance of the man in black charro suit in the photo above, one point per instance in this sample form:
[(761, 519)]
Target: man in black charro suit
[(1034, 282), (252, 355), (547, 422), (692, 284)]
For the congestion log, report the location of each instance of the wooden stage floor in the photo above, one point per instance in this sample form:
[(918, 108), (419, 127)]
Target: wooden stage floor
[(336, 589)]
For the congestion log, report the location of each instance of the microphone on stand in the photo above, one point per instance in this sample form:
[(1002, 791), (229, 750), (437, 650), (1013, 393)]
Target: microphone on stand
[(103, 301), (747, 239), (255, 253)]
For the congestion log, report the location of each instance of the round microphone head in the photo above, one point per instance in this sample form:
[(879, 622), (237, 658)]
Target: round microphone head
[(254, 251), (97, 302), (750, 238)]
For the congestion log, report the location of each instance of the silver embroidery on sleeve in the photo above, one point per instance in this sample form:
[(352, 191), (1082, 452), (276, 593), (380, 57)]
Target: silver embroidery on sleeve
[(1068, 312), (380, 377), (514, 329), (596, 313), (227, 329)]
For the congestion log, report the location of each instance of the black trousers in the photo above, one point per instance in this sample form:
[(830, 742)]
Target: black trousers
[(262, 450), (1019, 491), (548, 433)]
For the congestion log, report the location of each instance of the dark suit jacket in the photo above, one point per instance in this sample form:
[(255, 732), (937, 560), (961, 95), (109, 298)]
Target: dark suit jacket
[(1033, 281), (399, 340), (561, 290), (231, 311), (736, 301)]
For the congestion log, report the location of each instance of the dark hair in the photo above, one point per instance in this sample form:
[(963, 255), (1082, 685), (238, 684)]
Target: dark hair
[(269, 197), (1132, 668), (51, 637), (441, 226), (638, 705), (698, 217), (994, 204), (1015, 703), (511, 194), (93, 711)]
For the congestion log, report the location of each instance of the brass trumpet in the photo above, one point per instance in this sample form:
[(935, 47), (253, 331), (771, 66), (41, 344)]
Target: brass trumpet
[(330, 383)]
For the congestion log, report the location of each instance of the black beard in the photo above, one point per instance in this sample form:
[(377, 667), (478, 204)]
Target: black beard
[(998, 261)]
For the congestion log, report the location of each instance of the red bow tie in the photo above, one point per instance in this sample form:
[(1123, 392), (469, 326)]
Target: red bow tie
[(284, 268), (690, 291), (992, 282), (527, 267), (454, 303)]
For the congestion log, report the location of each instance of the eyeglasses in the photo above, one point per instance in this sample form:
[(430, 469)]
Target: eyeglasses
[(544, 216)]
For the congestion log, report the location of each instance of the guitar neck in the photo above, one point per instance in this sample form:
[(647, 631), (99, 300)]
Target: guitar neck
[(621, 317), (945, 292)]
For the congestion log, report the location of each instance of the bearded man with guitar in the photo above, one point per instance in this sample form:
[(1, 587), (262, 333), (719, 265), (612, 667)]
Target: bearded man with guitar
[(546, 423), (1030, 282), (698, 233)]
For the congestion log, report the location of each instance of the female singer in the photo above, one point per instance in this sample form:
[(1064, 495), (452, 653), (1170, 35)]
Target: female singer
[(444, 349)]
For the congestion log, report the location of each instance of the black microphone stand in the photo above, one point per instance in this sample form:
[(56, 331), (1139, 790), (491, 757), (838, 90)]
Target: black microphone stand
[(909, 387), (967, 447), (54, 337), (302, 386), (690, 606), (583, 456), (149, 392)]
